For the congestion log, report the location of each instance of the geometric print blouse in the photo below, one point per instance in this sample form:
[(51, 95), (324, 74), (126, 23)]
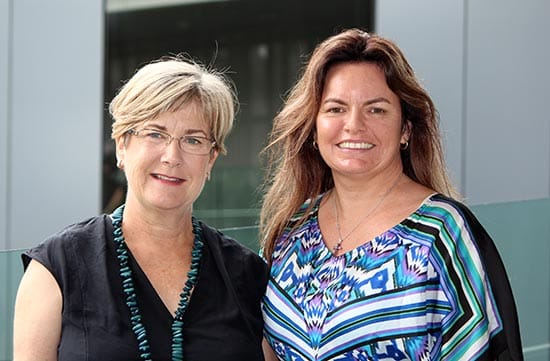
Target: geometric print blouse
[(418, 291)]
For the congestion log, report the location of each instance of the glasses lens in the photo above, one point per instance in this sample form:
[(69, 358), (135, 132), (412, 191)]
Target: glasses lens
[(154, 137), (189, 143), (195, 145)]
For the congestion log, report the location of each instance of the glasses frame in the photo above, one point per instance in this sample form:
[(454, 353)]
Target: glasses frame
[(170, 137)]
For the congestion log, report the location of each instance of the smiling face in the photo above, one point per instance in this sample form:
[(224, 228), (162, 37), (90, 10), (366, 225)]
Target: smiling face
[(359, 125), (164, 177)]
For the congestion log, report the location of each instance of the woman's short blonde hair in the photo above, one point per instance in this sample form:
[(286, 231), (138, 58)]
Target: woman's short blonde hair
[(168, 84)]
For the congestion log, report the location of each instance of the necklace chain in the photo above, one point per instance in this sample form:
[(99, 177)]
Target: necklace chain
[(338, 246), (131, 297)]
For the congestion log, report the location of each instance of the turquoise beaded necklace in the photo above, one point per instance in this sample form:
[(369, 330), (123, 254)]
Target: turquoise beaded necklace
[(131, 297)]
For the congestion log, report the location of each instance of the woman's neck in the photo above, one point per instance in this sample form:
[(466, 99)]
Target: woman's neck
[(364, 189), (158, 228)]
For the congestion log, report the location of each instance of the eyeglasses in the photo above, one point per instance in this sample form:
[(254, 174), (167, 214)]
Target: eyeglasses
[(191, 144)]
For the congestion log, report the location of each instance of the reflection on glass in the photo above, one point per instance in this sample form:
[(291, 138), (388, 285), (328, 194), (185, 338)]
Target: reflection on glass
[(262, 46)]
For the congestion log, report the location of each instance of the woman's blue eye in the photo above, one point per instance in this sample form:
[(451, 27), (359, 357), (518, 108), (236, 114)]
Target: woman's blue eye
[(152, 134), (193, 140), (155, 135)]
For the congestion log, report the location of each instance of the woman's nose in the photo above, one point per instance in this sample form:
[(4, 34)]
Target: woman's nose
[(172, 154), (355, 121)]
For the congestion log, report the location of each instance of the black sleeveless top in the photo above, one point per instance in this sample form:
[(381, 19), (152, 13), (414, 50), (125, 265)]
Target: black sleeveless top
[(223, 320)]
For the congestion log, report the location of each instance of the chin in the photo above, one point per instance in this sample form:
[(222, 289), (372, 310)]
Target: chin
[(166, 204), (352, 169)]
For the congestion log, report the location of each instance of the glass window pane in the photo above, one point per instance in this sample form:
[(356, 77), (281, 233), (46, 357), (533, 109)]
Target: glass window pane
[(262, 44)]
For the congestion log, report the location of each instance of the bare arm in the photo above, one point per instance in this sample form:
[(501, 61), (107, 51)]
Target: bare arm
[(37, 319), (269, 355)]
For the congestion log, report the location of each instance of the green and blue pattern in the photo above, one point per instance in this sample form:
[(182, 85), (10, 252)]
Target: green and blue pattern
[(419, 291)]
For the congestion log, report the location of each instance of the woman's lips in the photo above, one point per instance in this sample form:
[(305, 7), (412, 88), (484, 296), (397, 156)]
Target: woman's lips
[(355, 145), (167, 178)]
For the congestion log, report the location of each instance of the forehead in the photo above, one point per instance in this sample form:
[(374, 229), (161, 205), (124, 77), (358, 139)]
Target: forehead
[(189, 115), (345, 79)]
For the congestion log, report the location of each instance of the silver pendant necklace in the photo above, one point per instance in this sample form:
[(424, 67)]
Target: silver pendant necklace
[(338, 246)]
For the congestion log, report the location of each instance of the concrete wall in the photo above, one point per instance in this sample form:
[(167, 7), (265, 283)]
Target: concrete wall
[(51, 99), (485, 63), (5, 84)]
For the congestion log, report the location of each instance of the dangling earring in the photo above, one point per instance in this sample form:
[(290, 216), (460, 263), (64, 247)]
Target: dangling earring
[(208, 175), (314, 144), (405, 145)]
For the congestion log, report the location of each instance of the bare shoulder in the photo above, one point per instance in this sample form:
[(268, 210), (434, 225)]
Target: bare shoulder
[(37, 308), (38, 280)]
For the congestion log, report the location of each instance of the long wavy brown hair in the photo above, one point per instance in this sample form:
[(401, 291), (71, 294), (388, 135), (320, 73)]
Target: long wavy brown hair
[(295, 170)]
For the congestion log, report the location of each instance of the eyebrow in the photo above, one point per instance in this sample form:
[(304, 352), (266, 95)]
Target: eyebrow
[(368, 102), (187, 131)]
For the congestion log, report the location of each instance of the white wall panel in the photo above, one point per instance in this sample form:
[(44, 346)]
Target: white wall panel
[(430, 32), (5, 15), (508, 92), (56, 114)]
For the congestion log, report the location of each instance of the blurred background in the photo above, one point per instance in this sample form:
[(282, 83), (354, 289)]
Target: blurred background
[(260, 44), (61, 62)]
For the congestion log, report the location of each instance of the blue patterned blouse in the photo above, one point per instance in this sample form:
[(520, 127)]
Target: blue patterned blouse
[(419, 291)]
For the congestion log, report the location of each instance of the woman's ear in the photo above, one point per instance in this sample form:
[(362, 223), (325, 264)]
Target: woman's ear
[(213, 157), (210, 165), (406, 131), (120, 151)]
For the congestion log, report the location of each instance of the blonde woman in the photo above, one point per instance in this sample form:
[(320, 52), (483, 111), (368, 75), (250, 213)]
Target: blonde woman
[(149, 282)]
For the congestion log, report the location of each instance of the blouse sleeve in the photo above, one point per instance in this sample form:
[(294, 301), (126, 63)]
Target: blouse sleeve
[(483, 322)]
